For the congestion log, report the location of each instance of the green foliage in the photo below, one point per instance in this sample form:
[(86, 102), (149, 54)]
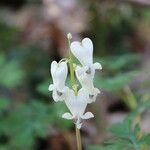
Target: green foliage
[(116, 82), (142, 106), (128, 136), (4, 103), (118, 71), (125, 136), (23, 121), (29, 121), (11, 72), (98, 147), (43, 87), (115, 63), (8, 36)]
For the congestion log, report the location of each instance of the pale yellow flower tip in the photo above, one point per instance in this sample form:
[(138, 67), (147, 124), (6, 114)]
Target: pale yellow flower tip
[(69, 36)]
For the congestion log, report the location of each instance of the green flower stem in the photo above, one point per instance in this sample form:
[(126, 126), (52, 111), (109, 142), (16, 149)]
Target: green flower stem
[(132, 103), (74, 87), (72, 77), (78, 137)]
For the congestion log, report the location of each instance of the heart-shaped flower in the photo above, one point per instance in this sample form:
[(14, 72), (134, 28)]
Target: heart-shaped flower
[(77, 105), (83, 51), (59, 73)]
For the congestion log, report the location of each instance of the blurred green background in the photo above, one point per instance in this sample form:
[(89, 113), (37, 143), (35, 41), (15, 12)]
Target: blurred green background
[(33, 33)]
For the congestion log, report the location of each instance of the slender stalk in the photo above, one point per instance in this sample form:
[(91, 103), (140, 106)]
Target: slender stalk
[(132, 104), (74, 87), (131, 100), (78, 137), (72, 77)]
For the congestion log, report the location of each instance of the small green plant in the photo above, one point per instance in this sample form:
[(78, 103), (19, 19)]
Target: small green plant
[(26, 121), (126, 135), (11, 72)]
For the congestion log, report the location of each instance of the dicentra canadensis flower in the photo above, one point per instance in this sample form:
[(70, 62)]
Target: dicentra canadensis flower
[(75, 99), (59, 73), (77, 105)]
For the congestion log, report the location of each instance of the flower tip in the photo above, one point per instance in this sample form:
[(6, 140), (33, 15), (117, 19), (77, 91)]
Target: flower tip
[(69, 36), (51, 87), (97, 66), (67, 116), (87, 115)]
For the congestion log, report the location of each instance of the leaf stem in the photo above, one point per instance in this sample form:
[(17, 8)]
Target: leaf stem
[(132, 103), (74, 87)]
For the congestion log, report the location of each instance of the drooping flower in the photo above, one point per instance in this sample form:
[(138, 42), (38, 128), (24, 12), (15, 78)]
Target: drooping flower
[(59, 73), (86, 81), (77, 105), (83, 51)]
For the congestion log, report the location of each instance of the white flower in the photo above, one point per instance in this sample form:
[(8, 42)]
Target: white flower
[(86, 80), (83, 51), (77, 105), (59, 73)]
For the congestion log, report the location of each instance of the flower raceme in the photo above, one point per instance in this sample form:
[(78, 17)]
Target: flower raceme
[(76, 101)]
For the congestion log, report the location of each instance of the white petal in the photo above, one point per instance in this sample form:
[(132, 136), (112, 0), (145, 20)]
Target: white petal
[(54, 66), (97, 91), (62, 70), (85, 76), (67, 116), (70, 101), (83, 51), (56, 97), (87, 115), (51, 87), (93, 94), (97, 66), (76, 104), (79, 71), (82, 94), (94, 91), (87, 43), (77, 51), (59, 74), (81, 101), (65, 89)]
